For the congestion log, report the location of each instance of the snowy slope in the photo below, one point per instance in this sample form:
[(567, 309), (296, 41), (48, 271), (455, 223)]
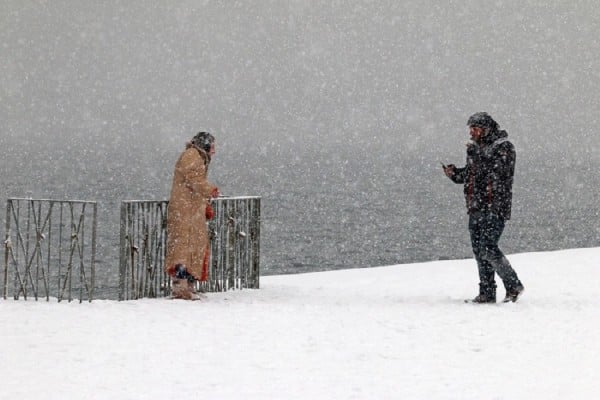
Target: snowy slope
[(398, 332)]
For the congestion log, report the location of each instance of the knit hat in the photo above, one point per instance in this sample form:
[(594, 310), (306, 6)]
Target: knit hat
[(203, 140), (482, 120)]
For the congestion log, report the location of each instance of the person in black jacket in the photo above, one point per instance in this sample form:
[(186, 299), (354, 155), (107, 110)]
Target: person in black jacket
[(487, 179)]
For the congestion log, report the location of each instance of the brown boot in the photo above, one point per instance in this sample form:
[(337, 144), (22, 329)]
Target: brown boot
[(182, 289), (185, 290)]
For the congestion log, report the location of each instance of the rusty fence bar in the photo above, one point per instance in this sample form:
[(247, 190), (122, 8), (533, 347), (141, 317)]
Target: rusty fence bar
[(50, 249), (235, 247)]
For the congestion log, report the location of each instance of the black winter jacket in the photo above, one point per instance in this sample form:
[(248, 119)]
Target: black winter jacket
[(488, 175)]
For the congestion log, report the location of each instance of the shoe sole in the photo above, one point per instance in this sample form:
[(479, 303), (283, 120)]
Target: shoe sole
[(470, 301)]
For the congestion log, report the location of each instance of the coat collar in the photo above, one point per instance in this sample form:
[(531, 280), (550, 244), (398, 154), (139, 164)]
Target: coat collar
[(493, 137)]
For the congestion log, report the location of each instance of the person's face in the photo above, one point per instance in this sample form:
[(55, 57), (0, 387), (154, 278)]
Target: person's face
[(212, 150), (476, 133)]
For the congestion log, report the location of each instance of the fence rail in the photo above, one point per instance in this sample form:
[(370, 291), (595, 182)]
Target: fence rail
[(49, 249), (234, 238)]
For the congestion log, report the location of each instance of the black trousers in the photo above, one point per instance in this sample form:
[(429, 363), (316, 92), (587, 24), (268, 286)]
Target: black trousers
[(485, 229)]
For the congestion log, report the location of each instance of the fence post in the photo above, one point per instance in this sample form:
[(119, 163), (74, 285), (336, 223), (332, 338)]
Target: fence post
[(7, 248), (255, 242), (123, 253)]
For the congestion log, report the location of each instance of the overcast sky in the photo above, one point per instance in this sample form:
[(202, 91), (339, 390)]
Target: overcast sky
[(283, 72)]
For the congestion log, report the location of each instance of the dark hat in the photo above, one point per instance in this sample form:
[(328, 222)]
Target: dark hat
[(203, 140), (482, 120)]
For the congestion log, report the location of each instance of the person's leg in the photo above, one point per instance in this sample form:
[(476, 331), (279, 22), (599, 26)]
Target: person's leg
[(487, 284), (493, 226)]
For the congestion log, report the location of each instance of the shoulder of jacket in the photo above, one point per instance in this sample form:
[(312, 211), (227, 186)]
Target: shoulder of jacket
[(191, 157), (193, 152), (504, 148), (502, 143)]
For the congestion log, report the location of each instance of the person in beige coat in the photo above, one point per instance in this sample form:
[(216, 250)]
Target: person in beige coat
[(187, 235)]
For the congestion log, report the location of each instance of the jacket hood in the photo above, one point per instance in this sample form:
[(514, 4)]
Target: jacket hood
[(494, 136)]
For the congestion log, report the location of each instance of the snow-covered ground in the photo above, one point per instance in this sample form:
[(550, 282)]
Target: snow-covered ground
[(397, 332)]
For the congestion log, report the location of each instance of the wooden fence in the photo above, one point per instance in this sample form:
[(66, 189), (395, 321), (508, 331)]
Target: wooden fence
[(235, 247)]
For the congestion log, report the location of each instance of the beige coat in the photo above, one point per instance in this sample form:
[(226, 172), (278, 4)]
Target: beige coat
[(187, 235)]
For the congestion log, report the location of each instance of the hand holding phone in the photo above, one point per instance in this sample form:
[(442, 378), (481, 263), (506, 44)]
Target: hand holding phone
[(448, 169)]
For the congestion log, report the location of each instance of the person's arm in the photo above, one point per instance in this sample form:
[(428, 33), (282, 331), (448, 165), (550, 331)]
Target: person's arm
[(460, 175), (194, 172), (457, 175)]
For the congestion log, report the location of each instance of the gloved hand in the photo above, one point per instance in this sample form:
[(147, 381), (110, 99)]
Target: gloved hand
[(209, 213)]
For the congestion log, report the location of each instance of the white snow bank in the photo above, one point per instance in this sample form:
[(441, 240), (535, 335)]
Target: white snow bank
[(398, 332)]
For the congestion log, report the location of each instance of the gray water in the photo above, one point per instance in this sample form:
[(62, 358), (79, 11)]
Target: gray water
[(331, 210), (336, 113)]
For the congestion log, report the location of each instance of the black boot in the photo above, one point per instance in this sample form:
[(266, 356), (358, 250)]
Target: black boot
[(487, 294), (513, 294)]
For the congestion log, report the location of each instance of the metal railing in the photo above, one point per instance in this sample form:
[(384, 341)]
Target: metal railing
[(49, 249), (235, 247), (143, 242)]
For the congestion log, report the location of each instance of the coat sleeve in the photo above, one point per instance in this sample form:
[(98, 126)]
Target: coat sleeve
[(460, 175)]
